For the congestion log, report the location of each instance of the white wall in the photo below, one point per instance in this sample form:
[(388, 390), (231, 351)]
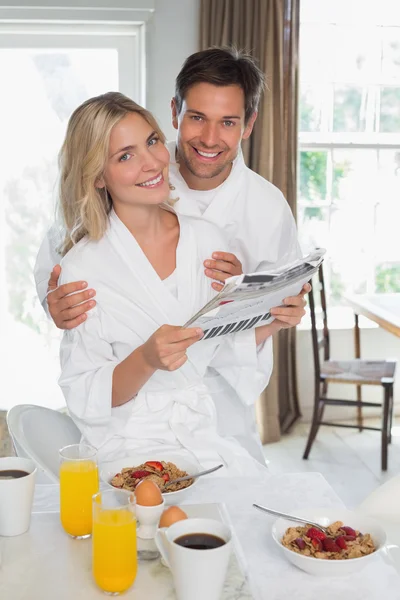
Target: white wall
[(375, 344), (173, 36)]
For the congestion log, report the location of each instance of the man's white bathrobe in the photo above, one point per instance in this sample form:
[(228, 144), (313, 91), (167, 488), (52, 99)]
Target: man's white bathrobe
[(174, 411), (260, 230)]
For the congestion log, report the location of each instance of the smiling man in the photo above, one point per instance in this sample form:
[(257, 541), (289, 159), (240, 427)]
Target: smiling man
[(214, 108)]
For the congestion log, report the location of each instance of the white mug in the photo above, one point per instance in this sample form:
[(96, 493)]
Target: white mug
[(197, 574), (16, 496)]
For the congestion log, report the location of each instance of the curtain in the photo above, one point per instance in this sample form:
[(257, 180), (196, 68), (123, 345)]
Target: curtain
[(269, 31)]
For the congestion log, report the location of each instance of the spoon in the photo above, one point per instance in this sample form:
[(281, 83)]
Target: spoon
[(291, 517), (193, 476)]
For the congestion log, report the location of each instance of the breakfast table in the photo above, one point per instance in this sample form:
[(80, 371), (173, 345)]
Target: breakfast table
[(383, 309), (33, 566)]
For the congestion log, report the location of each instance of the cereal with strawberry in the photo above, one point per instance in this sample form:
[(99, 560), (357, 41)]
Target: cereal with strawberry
[(340, 543), (158, 471)]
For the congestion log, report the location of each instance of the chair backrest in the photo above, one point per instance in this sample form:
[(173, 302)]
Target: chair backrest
[(319, 341), (39, 433)]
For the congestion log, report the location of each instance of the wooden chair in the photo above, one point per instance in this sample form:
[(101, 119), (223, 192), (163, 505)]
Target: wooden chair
[(356, 372)]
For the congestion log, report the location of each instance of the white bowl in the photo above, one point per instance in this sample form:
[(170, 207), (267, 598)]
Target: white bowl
[(326, 516), (109, 469)]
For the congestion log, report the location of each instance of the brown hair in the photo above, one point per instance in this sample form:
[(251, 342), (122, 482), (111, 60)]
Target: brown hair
[(222, 67), (84, 207)]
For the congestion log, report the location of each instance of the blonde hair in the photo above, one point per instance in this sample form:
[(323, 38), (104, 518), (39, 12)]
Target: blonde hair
[(85, 208)]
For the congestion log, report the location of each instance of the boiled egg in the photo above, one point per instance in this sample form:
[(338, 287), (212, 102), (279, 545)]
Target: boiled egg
[(172, 515), (148, 493)]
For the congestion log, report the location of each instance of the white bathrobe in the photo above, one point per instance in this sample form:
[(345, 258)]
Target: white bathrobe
[(174, 411), (260, 230)]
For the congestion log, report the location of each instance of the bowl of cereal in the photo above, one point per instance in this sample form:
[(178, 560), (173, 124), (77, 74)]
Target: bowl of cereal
[(351, 542), (126, 473)]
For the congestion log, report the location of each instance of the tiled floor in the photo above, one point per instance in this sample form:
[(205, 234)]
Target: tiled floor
[(349, 460)]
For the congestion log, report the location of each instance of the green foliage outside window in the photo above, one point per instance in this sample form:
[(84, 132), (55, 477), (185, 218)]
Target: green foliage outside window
[(313, 186), (387, 278), (313, 179)]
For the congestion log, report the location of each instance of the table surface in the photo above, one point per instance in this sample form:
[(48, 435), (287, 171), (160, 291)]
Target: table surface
[(271, 577), (383, 309)]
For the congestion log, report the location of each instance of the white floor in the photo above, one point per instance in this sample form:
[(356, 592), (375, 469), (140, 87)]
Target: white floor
[(348, 459)]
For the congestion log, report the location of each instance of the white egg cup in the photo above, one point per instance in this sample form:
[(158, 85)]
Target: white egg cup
[(148, 517)]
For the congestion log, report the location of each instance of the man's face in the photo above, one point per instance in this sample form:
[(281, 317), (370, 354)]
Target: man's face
[(210, 128)]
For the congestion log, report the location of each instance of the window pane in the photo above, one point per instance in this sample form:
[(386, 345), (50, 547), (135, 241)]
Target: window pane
[(315, 66), (390, 110), (341, 11), (352, 223), (49, 86), (387, 278), (356, 54), (390, 53), (313, 225), (313, 165), (387, 216), (350, 235), (312, 101), (349, 108)]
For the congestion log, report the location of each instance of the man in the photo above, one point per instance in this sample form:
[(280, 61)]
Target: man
[(214, 109)]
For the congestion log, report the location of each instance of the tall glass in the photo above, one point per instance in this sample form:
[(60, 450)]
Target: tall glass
[(79, 480), (114, 541)]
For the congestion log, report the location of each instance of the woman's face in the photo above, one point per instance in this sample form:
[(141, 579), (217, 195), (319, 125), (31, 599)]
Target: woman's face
[(136, 171)]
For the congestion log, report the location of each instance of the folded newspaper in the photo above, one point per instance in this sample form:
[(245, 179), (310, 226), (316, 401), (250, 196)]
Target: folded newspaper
[(246, 300)]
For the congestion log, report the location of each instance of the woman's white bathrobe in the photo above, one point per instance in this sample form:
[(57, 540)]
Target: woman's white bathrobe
[(174, 410)]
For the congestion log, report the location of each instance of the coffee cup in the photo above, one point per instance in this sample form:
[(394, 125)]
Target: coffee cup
[(17, 485), (197, 551)]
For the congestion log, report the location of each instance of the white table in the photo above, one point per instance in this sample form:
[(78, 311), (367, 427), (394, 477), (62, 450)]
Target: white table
[(383, 309), (271, 577)]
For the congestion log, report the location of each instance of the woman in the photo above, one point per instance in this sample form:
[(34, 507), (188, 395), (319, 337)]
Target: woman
[(132, 383)]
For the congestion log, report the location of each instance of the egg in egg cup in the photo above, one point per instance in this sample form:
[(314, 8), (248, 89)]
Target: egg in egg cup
[(149, 508)]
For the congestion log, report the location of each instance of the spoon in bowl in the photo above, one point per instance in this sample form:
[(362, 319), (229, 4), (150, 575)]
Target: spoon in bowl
[(193, 476), (291, 518)]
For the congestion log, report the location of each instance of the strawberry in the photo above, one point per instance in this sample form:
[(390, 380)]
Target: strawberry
[(155, 464), (341, 542), (165, 476), (139, 474), (317, 544), (315, 533), (348, 531), (349, 538), (330, 545), (300, 543)]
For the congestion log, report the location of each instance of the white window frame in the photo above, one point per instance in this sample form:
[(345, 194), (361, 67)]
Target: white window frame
[(128, 39), (329, 141)]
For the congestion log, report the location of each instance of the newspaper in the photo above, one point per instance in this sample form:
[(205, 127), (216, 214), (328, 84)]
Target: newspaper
[(246, 300)]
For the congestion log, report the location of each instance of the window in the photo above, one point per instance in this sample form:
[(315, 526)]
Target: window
[(349, 142), (49, 69)]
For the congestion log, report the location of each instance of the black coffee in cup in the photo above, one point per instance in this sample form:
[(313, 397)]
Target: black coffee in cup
[(200, 541), (12, 474)]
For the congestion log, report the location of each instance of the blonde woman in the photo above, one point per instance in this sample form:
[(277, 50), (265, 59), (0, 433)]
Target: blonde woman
[(131, 375)]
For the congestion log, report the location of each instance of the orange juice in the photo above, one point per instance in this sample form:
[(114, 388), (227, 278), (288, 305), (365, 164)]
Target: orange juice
[(114, 549), (79, 480)]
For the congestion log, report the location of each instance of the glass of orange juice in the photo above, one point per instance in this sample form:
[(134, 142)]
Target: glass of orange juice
[(79, 480), (114, 540)]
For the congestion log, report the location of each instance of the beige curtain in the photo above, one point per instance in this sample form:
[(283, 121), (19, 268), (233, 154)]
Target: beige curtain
[(269, 31)]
